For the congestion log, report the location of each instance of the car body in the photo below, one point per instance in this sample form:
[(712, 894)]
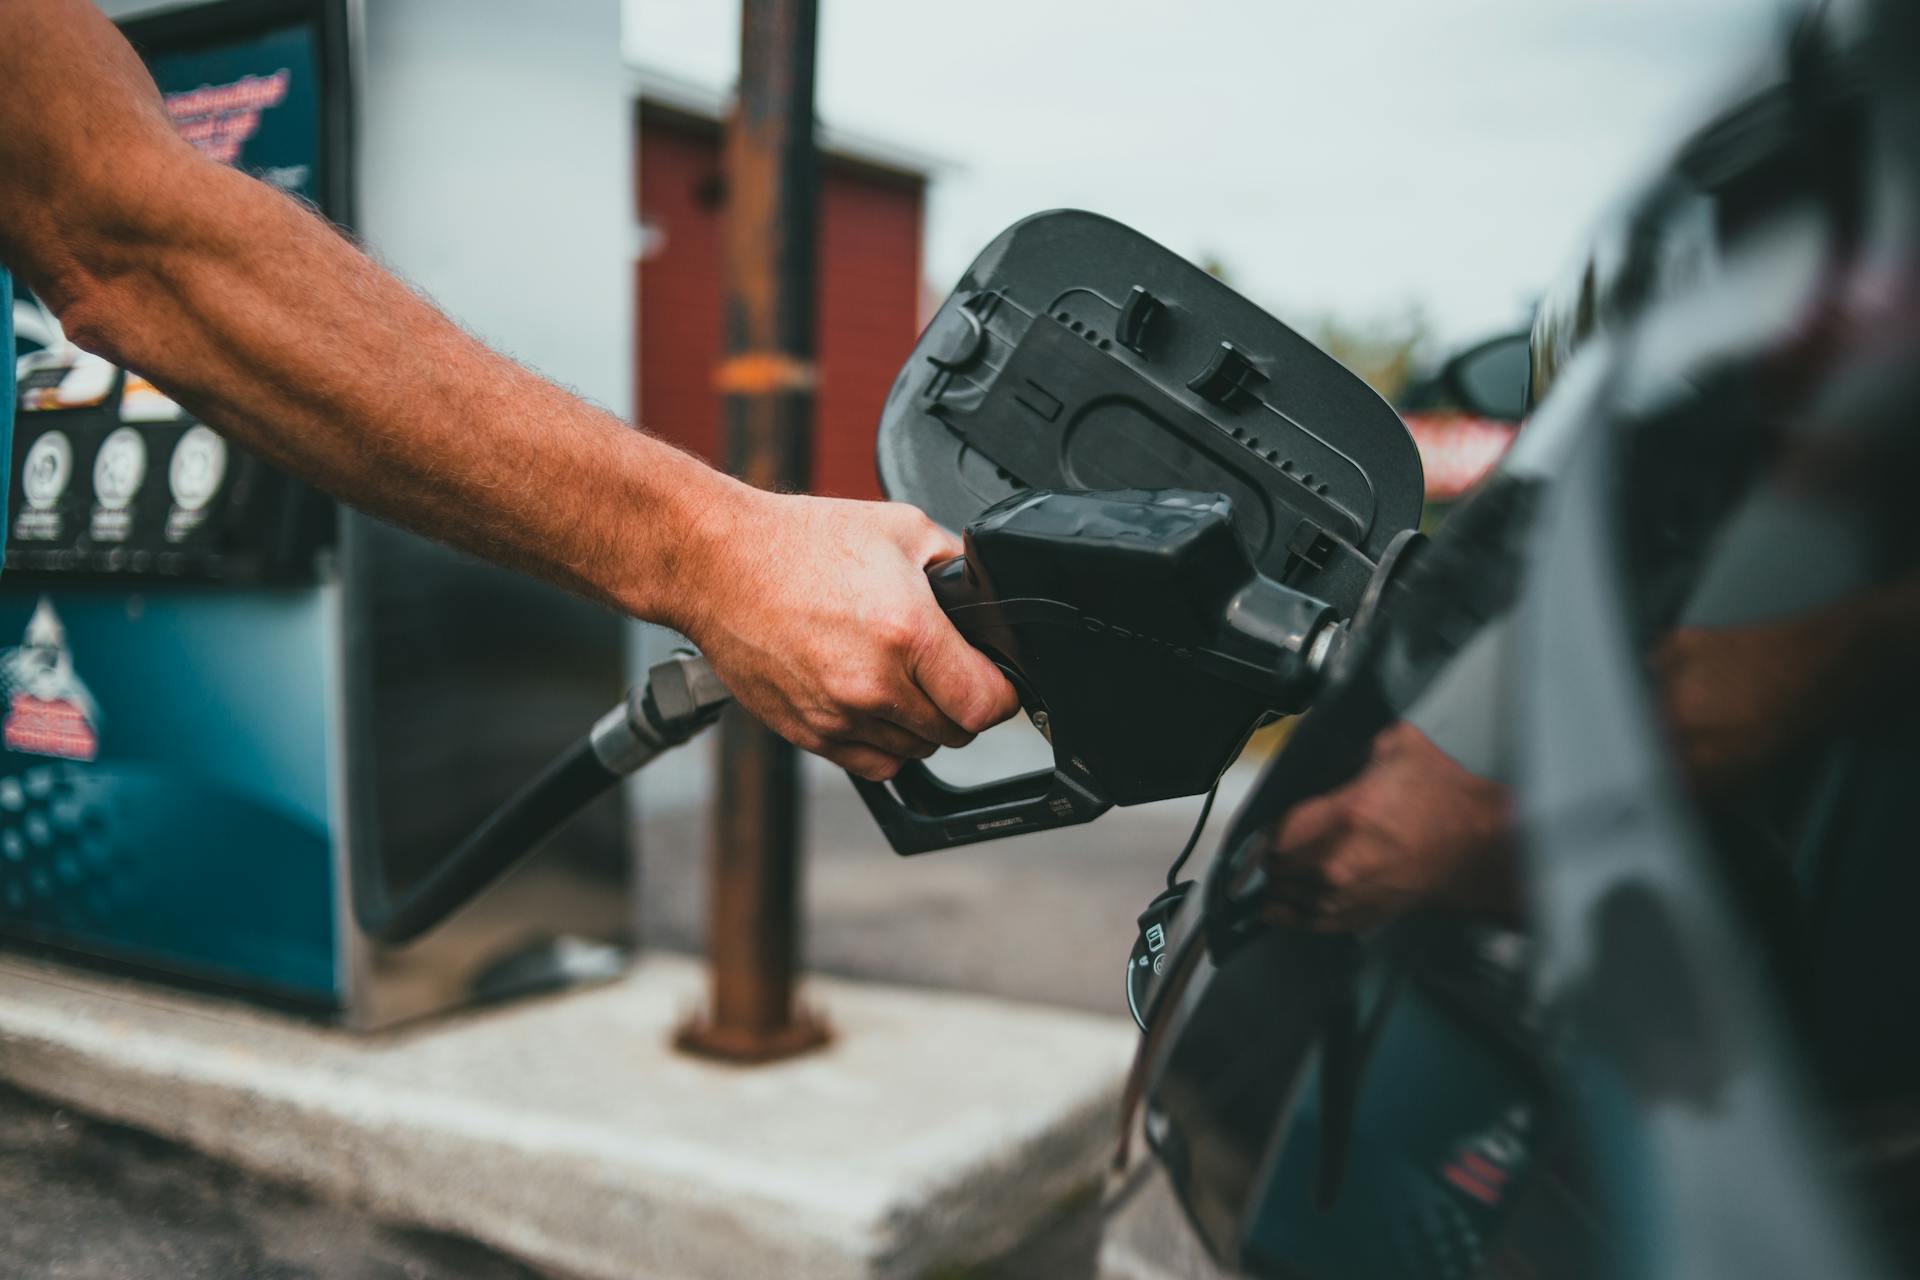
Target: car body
[(1673, 627)]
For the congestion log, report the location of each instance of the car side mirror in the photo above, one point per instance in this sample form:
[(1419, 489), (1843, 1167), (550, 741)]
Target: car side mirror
[(1490, 379)]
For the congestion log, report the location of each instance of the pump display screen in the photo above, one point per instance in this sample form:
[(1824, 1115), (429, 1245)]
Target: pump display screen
[(111, 478)]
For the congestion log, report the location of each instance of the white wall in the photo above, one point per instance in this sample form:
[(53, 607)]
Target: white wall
[(495, 174)]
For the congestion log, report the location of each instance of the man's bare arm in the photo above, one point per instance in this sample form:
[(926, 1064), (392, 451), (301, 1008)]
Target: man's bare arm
[(266, 323)]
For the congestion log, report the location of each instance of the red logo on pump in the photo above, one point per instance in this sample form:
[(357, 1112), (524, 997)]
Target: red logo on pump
[(49, 711), (49, 729)]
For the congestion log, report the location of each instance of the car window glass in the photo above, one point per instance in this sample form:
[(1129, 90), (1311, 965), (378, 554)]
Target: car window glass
[(1778, 599)]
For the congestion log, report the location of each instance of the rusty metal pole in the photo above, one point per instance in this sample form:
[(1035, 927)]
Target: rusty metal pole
[(766, 385)]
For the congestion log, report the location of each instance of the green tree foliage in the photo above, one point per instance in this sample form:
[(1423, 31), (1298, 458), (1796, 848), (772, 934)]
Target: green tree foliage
[(1386, 353)]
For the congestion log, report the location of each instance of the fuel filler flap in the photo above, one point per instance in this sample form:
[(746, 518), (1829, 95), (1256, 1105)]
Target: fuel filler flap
[(1076, 353)]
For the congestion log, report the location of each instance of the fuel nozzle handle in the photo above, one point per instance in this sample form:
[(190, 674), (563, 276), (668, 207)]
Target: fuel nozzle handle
[(919, 812), (1145, 645)]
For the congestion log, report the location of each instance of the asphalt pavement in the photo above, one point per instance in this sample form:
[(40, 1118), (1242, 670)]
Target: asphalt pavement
[(91, 1201)]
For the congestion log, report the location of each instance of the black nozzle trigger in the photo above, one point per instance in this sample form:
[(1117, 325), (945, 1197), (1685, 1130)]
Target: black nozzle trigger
[(918, 812), (958, 590)]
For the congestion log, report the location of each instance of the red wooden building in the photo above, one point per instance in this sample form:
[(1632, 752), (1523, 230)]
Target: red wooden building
[(871, 203)]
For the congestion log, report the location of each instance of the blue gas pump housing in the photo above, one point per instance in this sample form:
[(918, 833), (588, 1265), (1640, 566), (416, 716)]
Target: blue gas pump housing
[(222, 696)]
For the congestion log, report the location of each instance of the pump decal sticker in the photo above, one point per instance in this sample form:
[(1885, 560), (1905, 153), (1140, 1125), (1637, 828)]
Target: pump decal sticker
[(119, 469), (50, 712), (141, 401), (194, 474), (44, 478), (219, 118)]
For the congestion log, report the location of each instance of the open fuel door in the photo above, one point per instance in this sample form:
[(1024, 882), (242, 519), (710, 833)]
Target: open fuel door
[(1075, 353), (1173, 504)]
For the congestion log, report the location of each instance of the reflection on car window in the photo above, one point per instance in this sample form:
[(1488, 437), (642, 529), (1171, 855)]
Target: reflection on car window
[(1782, 661)]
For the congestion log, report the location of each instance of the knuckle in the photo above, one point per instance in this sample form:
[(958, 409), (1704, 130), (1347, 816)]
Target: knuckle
[(908, 517), (855, 693), (870, 694), (901, 633), (981, 711), (832, 724), (915, 523)]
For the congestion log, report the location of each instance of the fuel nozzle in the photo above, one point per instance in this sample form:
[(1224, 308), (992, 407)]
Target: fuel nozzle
[(678, 699), (1145, 645), (1286, 634)]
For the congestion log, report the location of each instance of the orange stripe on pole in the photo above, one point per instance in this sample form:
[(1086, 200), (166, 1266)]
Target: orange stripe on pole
[(759, 373)]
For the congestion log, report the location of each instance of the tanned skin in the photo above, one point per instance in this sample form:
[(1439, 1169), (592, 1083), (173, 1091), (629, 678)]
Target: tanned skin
[(266, 323)]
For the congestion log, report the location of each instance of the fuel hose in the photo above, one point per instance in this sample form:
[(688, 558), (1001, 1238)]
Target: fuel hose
[(679, 698)]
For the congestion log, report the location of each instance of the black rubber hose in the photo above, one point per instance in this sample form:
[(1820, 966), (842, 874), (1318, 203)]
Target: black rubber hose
[(513, 830)]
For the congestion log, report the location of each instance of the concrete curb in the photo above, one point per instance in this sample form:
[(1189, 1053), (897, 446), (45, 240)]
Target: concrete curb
[(937, 1131)]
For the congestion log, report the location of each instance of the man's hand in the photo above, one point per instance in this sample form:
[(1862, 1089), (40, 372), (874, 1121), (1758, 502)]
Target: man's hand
[(817, 614), (1412, 829), (1739, 698)]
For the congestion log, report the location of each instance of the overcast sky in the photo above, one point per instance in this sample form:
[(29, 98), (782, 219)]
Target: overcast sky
[(1358, 157)]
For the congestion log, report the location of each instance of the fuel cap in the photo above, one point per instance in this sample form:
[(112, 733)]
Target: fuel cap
[(1149, 958)]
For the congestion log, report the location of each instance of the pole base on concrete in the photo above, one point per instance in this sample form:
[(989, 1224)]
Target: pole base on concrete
[(704, 1038)]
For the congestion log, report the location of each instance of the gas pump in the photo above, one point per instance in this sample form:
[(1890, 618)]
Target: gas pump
[(227, 701)]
